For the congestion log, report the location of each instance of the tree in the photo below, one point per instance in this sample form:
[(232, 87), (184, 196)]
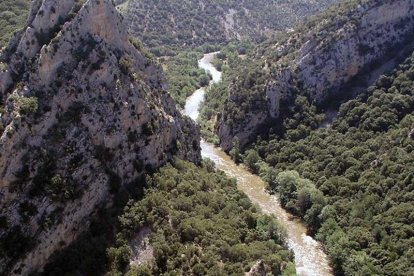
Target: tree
[(203, 80), (251, 159), (235, 151)]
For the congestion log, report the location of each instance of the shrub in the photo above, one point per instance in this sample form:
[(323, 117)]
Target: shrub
[(27, 106)]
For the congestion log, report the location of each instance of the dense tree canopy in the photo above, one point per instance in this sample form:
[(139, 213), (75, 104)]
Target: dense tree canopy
[(184, 76), (201, 225), (13, 14), (353, 183)]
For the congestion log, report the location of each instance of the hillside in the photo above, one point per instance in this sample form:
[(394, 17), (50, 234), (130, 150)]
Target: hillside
[(362, 168), (190, 220), (85, 113), (13, 14), (199, 213), (328, 60), (101, 172), (349, 173), (194, 23)]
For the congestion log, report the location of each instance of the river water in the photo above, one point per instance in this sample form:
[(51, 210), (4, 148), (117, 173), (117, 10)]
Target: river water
[(309, 257)]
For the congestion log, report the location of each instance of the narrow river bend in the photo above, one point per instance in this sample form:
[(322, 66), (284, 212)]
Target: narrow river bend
[(309, 257)]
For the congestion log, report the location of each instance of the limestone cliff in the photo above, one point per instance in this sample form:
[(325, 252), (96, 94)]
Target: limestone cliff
[(85, 111), (321, 60)]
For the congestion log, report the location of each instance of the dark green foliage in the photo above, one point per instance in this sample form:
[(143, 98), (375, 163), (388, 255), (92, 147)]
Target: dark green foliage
[(300, 196), (126, 66), (251, 159), (184, 76), (358, 191), (304, 118), (199, 213), (233, 65), (27, 106), (140, 47), (13, 15), (235, 153)]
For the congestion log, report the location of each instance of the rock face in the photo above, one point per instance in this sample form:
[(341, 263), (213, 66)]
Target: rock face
[(322, 60), (85, 113)]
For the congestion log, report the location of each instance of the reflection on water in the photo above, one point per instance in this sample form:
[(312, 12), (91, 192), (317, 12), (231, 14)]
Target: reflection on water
[(309, 257)]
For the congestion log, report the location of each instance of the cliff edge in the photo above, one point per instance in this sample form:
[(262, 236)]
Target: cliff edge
[(85, 111), (331, 58)]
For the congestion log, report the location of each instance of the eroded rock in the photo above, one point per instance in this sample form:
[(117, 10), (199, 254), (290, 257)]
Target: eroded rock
[(86, 113), (321, 63)]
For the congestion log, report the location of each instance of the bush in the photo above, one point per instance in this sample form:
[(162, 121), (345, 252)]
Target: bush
[(126, 66), (27, 106)]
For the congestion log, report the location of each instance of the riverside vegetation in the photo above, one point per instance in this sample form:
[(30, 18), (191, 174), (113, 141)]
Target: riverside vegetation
[(192, 211), (201, 224), (352, 183)]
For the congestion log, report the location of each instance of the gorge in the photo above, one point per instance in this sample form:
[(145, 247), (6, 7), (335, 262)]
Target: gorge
[(205, 137), (310, 260)]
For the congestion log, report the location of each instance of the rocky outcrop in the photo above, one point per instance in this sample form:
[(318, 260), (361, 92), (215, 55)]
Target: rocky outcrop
[(85, 113), (322, 61), (258, 269)]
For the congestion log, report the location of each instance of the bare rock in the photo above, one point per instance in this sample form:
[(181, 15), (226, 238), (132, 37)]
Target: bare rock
[(320, 62), (86, 113)]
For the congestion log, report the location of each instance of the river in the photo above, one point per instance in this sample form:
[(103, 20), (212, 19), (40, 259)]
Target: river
[(309, 257)]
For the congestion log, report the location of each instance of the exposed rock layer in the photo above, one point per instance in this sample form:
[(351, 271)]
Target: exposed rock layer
[(321, 62), (86, 113)]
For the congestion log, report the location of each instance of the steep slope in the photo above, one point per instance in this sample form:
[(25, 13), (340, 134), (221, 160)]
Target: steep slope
[(329, 59), (194, 22), (199, 213), (85, 112), (363, 170)]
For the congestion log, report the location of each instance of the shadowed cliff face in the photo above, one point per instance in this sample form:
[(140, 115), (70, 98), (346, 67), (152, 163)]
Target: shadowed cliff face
[(321, 61), (85, 112)]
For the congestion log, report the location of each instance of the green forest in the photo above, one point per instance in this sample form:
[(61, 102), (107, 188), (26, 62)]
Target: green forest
[(200, 223), (13, 16), (192, 23), (183, 75), (352, 183)]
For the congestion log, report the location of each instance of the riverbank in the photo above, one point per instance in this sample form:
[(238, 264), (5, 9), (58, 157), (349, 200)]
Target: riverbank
[(310, 258)]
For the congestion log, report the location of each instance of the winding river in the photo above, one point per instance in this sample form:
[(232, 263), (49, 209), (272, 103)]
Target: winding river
[(309, 257)]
